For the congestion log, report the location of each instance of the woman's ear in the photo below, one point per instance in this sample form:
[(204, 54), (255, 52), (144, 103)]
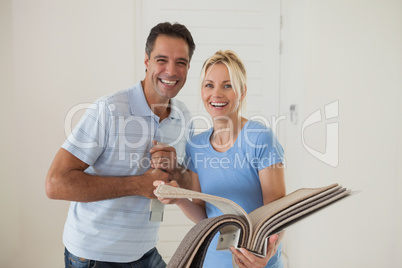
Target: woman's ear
[(244, 93)]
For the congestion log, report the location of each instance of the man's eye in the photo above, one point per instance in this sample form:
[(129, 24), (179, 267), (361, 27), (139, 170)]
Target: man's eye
[(182, 63), (161, 60)]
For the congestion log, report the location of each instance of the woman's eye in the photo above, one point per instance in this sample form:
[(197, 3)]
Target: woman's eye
[(228, 86), (208, 85)]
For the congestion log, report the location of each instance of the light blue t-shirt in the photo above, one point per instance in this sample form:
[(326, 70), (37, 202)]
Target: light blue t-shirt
[(114, 138), (234, 175)]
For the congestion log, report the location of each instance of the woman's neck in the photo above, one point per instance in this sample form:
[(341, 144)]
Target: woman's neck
[(225, 132)]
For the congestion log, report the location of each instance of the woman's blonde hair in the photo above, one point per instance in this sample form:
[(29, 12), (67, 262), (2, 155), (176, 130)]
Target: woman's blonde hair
[(237, 72)]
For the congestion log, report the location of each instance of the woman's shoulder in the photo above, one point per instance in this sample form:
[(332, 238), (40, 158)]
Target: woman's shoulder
[(256, 125), (257, 128), (257, 133), (200, 138)]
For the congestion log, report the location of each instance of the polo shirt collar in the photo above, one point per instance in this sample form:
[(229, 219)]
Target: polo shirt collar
[(175, 106), (139, 105)]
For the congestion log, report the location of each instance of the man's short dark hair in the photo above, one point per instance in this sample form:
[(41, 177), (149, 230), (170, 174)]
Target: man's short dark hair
[(175, 30)]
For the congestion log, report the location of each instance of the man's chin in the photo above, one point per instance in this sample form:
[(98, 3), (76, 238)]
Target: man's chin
[(169, 93)]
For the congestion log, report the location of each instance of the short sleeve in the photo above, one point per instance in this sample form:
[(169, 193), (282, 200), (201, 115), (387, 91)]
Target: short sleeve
[(270, 154), (89, 137), (263, 146), (188, 160)]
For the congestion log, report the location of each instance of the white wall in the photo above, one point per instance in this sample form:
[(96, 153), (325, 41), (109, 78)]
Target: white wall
[(54, 55), (351, 52)]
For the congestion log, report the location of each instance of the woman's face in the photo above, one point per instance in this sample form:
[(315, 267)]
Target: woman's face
[(218, 96)]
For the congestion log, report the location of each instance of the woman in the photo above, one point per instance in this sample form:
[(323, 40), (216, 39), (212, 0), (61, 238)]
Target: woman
[(236, 159)]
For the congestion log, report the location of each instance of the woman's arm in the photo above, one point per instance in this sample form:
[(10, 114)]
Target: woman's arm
[(272, 181)]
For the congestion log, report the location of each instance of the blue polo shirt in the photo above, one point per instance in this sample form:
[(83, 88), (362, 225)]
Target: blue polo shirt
[(114, 138)]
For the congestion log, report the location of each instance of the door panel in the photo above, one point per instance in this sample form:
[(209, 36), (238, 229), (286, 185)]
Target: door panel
[(251, 29)]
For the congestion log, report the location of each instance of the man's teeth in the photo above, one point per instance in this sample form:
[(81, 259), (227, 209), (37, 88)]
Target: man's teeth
[(168, 82), (218, 104)]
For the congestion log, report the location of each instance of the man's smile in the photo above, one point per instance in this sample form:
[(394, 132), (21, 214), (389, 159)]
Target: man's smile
[(168, 82)]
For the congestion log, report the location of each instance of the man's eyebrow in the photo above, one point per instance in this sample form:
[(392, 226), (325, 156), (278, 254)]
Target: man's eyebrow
[(183, 59), (165, 57), (160, 57)]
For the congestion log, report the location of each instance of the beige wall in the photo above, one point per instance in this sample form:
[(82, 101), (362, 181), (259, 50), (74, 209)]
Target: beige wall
[(57, 54), (64, 53), (9, 192), (350, 52)]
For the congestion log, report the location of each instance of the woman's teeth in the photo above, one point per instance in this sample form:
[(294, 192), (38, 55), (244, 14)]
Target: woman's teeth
[(168, 82), (218, 104)]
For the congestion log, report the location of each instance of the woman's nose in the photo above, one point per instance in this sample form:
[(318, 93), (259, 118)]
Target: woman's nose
[(217, 92)]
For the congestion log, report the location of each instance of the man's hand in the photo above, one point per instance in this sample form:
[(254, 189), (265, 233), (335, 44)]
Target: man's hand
[(151, 176), (163, 157)]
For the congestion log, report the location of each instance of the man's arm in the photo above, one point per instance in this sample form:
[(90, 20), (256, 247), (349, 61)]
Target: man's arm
[(67, 180)]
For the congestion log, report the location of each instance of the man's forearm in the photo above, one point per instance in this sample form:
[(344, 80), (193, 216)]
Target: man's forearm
[(78, 186), (67, 180)]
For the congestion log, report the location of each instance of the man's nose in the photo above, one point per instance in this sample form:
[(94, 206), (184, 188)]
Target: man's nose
[(171, 69)]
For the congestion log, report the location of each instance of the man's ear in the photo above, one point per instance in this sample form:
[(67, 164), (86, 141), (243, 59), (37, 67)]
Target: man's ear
[(146, 60)]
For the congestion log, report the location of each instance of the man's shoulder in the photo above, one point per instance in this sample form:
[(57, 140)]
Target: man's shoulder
[(117, 102)]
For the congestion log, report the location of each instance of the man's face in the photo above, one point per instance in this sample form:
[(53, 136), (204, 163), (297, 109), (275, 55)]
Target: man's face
[(167, 68)]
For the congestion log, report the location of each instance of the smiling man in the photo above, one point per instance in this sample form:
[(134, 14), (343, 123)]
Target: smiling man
[(108, 220)]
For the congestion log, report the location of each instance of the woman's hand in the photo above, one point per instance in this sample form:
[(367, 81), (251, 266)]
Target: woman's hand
[(245, 258), (167, 200)]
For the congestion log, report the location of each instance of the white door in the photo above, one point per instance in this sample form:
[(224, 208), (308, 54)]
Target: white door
[(252, 30)]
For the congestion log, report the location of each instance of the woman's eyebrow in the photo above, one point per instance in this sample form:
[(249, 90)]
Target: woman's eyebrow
[(226, 81)]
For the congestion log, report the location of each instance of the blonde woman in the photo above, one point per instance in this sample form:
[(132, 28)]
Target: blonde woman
[(238, 159)]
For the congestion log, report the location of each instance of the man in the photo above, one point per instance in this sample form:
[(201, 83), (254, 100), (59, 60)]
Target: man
[(104, 167)]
